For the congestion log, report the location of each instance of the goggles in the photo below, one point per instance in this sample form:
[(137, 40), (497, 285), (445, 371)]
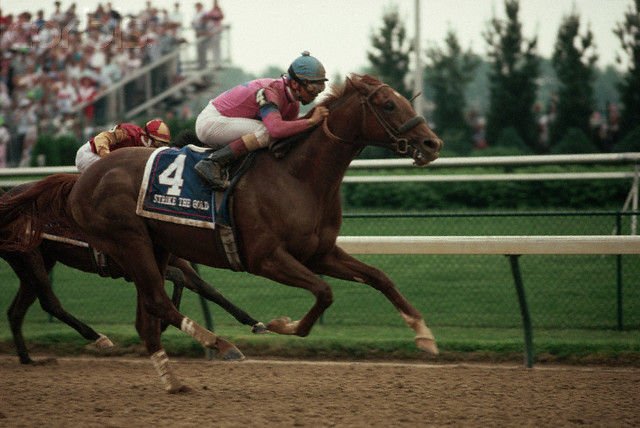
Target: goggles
[(313, 88)]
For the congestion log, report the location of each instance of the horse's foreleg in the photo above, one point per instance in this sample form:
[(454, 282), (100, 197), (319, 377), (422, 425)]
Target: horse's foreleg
[(195, 283), (285, 269), (148, 328), (339, 264)]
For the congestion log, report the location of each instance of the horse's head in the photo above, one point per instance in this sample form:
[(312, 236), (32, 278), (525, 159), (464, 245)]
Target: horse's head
[(389, 120)]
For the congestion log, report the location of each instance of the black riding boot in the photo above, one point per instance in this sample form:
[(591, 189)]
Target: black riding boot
[(210, 169)]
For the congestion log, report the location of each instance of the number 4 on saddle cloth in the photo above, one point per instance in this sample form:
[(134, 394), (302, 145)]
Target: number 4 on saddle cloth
[(172, 191)]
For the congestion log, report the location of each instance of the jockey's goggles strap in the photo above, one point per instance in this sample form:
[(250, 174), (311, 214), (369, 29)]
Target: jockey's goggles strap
[(293, 75)]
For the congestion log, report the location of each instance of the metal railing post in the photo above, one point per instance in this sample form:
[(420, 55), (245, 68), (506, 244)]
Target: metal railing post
[(634, 199), (524, 311), (619, 300)]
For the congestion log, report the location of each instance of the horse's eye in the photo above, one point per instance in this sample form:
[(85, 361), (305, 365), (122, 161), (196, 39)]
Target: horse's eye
[(389, 106)]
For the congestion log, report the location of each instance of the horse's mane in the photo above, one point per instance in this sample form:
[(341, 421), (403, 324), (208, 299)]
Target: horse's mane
[(340, 90)]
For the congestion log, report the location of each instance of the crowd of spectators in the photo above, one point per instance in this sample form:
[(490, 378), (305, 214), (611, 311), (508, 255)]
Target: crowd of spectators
[(52, 64)]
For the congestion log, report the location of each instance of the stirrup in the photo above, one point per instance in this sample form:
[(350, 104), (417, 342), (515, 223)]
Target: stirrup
[(223, 182), (212, 173)]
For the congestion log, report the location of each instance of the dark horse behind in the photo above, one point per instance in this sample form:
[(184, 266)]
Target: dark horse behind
[(65, 245), (287, 215)]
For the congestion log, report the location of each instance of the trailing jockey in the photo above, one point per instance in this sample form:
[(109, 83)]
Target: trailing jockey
[(154, 134)]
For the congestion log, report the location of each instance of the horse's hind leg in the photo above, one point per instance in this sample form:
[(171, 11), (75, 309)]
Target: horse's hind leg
[(148, 328), (154, 305), (50, 303), (38, 277), (285, 269), (16, 312), (34, 282), (339, 264), (182, 270), (174, 275)]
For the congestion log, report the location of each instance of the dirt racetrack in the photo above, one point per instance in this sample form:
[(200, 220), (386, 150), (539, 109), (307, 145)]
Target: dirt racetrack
[(99, 392)]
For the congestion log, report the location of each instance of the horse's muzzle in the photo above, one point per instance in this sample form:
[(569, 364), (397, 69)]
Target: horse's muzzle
[(427, 151)]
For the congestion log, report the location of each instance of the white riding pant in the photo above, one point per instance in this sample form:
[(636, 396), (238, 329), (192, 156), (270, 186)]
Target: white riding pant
[(85, 157), (213, 128)]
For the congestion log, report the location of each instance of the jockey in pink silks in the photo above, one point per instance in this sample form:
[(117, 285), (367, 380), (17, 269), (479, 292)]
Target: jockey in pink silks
[(252, 115)]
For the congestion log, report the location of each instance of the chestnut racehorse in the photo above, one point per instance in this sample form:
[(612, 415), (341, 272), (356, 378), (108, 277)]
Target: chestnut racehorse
[(287, 215)]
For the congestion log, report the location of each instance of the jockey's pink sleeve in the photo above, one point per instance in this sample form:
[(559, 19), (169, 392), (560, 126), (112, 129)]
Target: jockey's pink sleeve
[(279, 128)]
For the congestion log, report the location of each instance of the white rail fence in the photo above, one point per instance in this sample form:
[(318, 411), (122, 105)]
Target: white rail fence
[(10, 177), (626, 160), (511, 246), (503, 245)]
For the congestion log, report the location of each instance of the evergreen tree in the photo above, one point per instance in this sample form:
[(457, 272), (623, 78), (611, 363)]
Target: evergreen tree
[(448, 73), (628, 32), (391, 51), (574, 61), (512, 80)]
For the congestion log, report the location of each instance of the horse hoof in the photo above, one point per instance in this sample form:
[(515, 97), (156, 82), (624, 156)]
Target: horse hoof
[(103, 342), (178, 389), (42, 362), (233, 354), (259, 328), (228, 351), (283, 325), (427, 345)]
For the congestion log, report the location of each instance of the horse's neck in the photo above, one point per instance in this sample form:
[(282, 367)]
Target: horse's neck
[(321, 162)]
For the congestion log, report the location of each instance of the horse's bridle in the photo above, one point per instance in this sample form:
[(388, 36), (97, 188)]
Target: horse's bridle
[(399, 144)]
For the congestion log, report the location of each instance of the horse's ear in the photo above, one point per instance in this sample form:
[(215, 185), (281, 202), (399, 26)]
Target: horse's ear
[(358, 85), (349, 82)]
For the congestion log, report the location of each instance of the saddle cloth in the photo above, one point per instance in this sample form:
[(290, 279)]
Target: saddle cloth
[(172, 191)]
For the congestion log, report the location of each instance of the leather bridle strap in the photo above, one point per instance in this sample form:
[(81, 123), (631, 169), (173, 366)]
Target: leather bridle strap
[(331, 135), (410, 124), (393, 133), (400, 145)]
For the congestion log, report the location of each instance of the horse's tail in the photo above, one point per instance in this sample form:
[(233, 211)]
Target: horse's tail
[(24, 213)]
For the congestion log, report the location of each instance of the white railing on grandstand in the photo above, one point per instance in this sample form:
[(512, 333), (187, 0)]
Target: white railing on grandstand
[(193, 76)]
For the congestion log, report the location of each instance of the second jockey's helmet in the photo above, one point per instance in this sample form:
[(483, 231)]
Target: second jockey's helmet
[(306, 68), (158, 130)]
